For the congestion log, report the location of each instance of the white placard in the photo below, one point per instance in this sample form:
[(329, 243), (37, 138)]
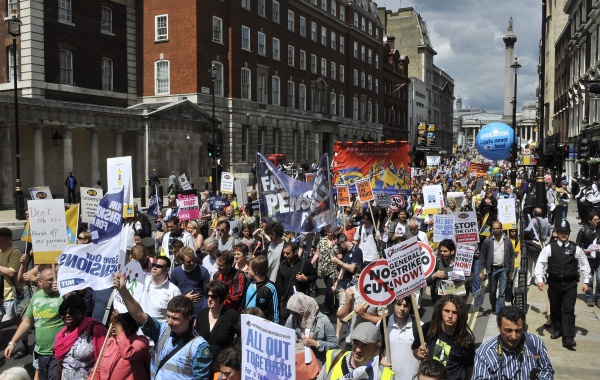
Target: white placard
[(118, 171), (478, 298), (507, 214), (227, 182), (465, 227), (241, 191), (183, 182), (47, 223), (404, 261), (40, 192), (90, 198), (433, 198), (464, 258), (383, 199), (268, 350), (443, 227), (433, 160), (135, 279)]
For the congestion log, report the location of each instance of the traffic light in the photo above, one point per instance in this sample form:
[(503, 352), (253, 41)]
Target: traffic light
[(584, 149), (565, 151), (219, 153), (513, 151), (209, 150)]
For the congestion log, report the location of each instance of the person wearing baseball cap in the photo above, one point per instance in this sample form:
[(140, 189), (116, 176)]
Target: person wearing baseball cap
[(358, 363), (561, 261)]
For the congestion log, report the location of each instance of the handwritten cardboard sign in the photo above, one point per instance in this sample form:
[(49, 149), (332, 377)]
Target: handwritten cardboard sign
[(364, 190), (343, 195), (47, 227)]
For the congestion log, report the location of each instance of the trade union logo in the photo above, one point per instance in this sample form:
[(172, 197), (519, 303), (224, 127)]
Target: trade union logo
[(41, 195), (92, 192)]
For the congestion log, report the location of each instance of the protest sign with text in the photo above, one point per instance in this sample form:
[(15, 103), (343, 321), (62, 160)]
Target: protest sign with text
[(428, 259), (227, 182), (90, 199), (464, 258), (433, 199), (364, 190), (241, 191), (343, 195), (404, 260), (397, 203), (268, 350), (183, 182), (443, 227), (40, 192), (108, 217), (465, 226), (48, 229), (118, 171), (376, 284), (188, 205), (507, 214), (382, 198), (434, 160)]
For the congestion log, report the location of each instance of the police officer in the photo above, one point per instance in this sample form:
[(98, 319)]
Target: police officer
[(561, 261)]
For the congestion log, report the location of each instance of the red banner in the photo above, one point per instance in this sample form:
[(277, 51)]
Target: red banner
[(386, 164)]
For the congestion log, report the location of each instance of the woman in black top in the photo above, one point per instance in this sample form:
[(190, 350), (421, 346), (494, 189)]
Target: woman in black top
[(217, 325)]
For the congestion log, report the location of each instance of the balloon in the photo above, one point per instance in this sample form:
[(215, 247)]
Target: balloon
[(491, 168), (494, 141), (496, 170), (498, 174)]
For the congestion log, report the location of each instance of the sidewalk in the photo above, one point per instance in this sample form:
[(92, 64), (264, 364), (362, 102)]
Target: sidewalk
[(580, 362)]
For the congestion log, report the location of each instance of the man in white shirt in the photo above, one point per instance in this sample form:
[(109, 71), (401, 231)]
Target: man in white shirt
[(158, 290), (366, 238), (226, 241), (401, 336), (211, 246), (175, 233), (413, 230), (275, 232)]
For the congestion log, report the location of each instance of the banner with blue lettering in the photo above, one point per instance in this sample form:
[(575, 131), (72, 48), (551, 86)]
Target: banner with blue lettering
[(155, 204), (299, 206), (90, 265), (108, 218), (268, 350)]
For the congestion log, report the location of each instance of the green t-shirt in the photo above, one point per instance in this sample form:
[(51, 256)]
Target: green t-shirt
[(43, 310)]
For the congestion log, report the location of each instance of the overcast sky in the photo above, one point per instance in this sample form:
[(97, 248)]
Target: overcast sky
[(467, 36)]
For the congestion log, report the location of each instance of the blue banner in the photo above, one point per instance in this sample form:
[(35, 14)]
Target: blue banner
[(217, 203), (155, 205), (108, 218), (299, 206)]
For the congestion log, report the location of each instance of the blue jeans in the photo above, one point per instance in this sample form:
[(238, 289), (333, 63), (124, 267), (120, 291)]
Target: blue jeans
[(595, 267), (476, 281), (498, 280)]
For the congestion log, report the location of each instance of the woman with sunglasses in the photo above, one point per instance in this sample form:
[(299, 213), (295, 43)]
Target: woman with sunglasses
[(216, 324), (78, 344)]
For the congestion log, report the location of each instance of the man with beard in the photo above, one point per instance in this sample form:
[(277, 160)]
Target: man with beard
[(348, 256), (295, 274), (43, 313), (175, 233)]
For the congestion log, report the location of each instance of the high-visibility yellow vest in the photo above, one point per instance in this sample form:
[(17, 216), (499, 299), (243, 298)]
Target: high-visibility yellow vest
[(335, 373)]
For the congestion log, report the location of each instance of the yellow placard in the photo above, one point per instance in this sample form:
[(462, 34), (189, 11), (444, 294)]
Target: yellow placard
[(45, 257)]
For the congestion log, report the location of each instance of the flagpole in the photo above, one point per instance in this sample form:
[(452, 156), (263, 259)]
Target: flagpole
[(330, 193)]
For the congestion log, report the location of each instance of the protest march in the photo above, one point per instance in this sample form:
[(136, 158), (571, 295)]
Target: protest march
[(323, 277)]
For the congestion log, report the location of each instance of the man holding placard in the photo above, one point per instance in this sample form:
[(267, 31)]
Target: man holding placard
[(10, 261)]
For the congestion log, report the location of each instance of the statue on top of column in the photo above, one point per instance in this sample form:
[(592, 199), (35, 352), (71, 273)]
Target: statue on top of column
[(510, 25)]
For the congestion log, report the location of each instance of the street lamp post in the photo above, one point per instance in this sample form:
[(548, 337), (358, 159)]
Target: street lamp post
[(213, 76), (14, 29), (513, 174)]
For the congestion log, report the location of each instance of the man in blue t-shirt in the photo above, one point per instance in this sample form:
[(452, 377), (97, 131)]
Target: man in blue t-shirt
[(347, 257)]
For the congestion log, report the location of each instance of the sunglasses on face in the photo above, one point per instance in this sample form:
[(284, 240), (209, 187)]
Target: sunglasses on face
[(211, 296), (158, 266)]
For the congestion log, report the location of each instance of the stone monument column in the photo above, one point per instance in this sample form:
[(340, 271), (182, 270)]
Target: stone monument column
[(94, 157), (118, 144), (67, 151), (509, 74)]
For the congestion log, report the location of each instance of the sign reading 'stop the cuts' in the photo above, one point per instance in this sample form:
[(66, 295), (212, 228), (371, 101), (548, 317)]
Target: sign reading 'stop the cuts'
[(465, 226)]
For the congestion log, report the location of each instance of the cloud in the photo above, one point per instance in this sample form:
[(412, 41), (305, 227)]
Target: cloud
[(467, 35)]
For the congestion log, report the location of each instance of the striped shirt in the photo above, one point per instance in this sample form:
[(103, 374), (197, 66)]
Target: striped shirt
[(490, 365)]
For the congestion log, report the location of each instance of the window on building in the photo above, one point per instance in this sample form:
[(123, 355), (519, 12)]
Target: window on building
[(66, 66), (11, 62), (376, 113), (302, 97), (245, 38), (291, 58), (217, 29), (262, 41), (376, 86), (355, 77), (302, 60), (219, 82), (261, 87), (333, 68), (307, 145), (333, 8), (370, 28), (363, 82), (376, 32), (291, 25), (276, 13), (245, 140), (261, 139), (355, 19), (313, 63), (355, 49), (275, 91), (323, 36), (324, 5), (342, 13), (370, 83), (291, 93), (320, 102), (362, 24), (275, 146), (276, 49), (324, 67), (341, 106), (363, 106), (107, 74), (246, 83), (369, 111), (333, 40), (106, 19), (162, 76), (246, 4), (261, 8), (313, 31), (342, 45), (355, 108), (362, 53), (302, 26), (342, 73), (161, 27), (64, 10), (376, 61), (370, 56), (12, 4), (332, 103)]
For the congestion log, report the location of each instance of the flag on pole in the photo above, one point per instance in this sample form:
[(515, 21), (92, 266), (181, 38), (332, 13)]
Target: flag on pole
[(155, 205), (72, 219)]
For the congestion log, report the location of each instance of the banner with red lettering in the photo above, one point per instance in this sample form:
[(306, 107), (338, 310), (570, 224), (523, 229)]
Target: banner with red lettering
[(385, 164), (188, 205)]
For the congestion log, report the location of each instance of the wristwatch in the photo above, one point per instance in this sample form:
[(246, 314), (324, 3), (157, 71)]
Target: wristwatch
[(12, 344)]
